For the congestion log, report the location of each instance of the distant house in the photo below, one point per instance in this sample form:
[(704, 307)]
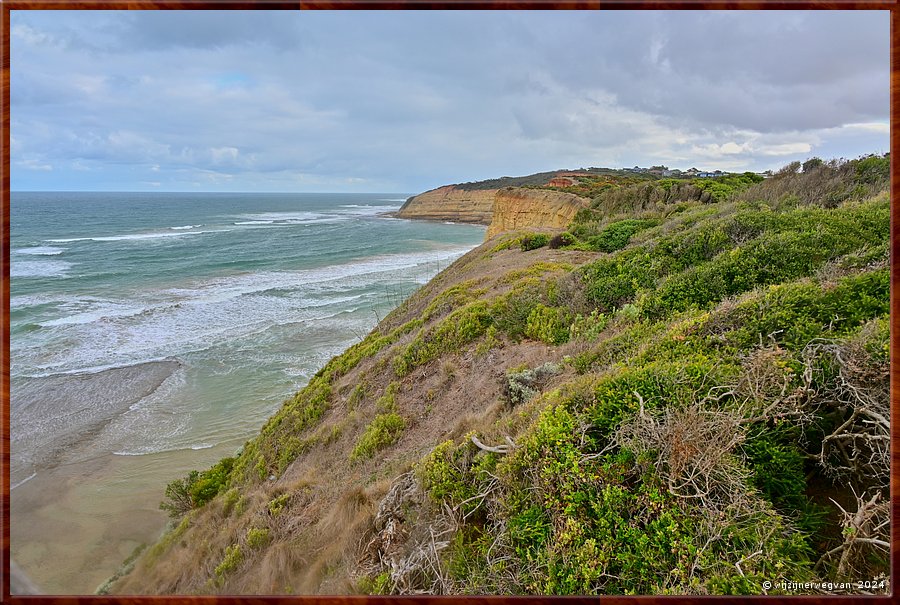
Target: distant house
[(692, 172)]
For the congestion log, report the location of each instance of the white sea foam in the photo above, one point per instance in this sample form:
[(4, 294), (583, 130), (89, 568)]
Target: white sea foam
[(93, 369), (102, 333), (63, 301), (185, 227), (282, 216), (160, 449), (40, 251), (134, 236), (106, 312), (365, 210), (39, 268), (23, 481)]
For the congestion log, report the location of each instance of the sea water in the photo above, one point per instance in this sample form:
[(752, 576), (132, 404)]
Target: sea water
[(160, 330)]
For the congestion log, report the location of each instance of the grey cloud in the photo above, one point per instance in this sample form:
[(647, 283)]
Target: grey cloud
[(157, 30), (421, 98)]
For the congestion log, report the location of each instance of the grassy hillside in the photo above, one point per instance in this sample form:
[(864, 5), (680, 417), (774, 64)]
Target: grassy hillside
[(680, 394), (540, 179)]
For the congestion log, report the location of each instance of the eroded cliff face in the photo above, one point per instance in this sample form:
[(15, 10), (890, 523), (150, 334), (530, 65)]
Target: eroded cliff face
[(502, 209), (516, 208), (449, 203)]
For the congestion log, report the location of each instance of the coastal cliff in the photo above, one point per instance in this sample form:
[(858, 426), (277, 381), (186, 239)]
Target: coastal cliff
[(517, 208), (584, 414), (501, 209), (450, 203)]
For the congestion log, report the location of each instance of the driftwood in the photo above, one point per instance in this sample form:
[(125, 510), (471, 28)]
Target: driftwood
[(497, 449)]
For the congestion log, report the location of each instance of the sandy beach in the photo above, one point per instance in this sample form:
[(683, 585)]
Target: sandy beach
[(74, 524), (78, 510), (53, 419)]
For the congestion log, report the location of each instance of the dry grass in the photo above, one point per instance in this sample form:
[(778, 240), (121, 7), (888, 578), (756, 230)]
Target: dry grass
[(691, 449), (315, 540)]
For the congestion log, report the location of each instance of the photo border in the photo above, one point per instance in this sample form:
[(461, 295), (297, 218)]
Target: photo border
[(774, 5)]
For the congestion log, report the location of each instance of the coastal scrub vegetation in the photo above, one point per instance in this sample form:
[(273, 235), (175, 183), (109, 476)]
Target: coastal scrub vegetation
[(686, 392)]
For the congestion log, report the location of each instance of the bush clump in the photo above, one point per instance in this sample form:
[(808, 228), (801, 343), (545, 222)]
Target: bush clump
[(232, 559), (561, 240), (522, 386), (257, 537), (197, 488), (548, 324), (615, 236), (534, 241), (383, 431)]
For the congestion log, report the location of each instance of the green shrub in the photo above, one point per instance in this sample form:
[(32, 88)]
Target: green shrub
[(388, 401), (444, 473), (615, 236), (873, 169), (257, 537), (548, 324), (383, 431), (277, 504), (587, 328), (232, 559), (778, 465), (534, 241), (795, 313), (451, 298), (454, 474), (229, 500), (611, 282), (458, 329), (178, 494), (509, 313), (211, 482), (379, 585)]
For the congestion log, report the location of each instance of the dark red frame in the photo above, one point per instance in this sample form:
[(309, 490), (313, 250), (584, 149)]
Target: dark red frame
[(8, 5)]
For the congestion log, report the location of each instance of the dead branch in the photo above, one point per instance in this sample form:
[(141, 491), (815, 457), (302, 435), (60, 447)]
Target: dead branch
[(864, 529), (497, 449)]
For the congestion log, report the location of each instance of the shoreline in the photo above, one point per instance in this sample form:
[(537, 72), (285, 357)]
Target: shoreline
[(75, 523), (55, 420), (429, 219)]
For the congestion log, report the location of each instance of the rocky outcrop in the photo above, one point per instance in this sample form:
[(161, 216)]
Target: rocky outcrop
[(516, 208), (449, 203), (502, 209)]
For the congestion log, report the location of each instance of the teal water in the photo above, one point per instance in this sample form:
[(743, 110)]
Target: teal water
[(249, 293)]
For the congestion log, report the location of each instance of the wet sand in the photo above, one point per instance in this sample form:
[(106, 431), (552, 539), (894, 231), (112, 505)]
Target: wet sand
[(72, 526), (53, 419), (77, 510)]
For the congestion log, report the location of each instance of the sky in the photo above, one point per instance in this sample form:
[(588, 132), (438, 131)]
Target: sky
[(396, 101)]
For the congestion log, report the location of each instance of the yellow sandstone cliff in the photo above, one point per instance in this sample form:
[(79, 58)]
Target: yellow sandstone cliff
[(501, 209), (516, 208), (450, 203)]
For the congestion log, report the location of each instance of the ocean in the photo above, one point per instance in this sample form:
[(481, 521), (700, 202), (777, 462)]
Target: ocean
[(153, 333)]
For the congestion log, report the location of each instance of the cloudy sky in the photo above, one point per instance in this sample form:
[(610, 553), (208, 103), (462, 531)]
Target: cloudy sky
[(406, 101)]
